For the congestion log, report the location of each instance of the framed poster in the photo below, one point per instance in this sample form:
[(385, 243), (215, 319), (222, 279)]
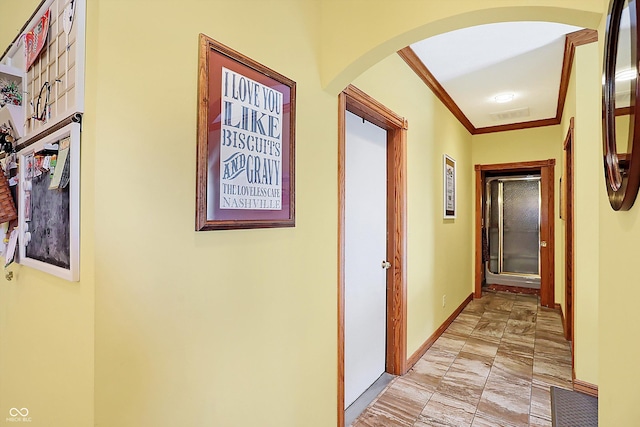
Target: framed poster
[(449, 178), (246, 142)]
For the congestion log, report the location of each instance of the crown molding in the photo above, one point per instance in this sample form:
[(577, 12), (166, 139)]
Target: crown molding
[(577, 38)]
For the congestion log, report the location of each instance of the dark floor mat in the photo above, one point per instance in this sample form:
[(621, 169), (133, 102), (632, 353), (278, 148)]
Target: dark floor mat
[(573, 409)]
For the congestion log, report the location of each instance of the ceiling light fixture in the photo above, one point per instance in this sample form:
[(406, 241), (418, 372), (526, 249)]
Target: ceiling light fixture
[(625, 75), (504, 97)]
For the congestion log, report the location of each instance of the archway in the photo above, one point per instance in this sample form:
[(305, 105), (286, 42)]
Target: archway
[(374, 33)]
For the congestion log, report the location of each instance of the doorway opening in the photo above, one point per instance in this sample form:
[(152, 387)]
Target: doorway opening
[(357, 102), (540, 178), (511, 245)]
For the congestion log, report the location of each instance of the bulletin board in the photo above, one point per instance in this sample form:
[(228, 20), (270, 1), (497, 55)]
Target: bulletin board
[(54, 83), (46, 61), (49, 203)]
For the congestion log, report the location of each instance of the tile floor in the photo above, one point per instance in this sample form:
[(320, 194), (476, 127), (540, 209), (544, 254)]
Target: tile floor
[(492, 367)]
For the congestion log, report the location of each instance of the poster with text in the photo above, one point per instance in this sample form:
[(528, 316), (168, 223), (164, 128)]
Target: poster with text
[(250, 144)]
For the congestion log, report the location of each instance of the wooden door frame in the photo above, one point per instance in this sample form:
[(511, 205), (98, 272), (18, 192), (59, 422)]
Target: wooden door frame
[(569, 242), (547, 225), (354, 100)]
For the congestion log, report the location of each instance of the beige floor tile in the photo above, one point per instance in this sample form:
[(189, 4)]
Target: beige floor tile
[(539, 422), (483, 346), (482, 420), (488, 327), (524, 312), (442, 410), (552, 371), (519, 345), (540, 401), (510, 365), (506, 398), (501, 316), (475, 307), (449, 342), (463, 327), (492, 367), (400, 405), (428, 373), (520, 327), (466, 377), (372, 417)]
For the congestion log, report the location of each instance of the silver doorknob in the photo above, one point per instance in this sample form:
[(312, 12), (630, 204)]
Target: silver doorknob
[(386, 265), (543, 244)]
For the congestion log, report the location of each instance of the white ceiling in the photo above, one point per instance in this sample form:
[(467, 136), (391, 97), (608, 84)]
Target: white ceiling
[(476, 64)]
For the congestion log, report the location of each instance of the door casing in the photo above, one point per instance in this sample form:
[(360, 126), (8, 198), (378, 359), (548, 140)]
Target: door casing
[(547, 227), (569, 243), (354, 100)]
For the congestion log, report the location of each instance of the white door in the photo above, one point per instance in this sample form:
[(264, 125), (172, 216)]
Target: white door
[(365, 249)]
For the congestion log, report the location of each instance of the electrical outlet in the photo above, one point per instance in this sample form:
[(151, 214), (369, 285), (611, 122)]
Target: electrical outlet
[(444, 301)]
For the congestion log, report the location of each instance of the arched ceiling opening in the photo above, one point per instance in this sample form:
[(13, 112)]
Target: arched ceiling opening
[(357, 34)]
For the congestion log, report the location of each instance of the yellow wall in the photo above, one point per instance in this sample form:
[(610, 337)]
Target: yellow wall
[(619, 273), (47, 324), (20, 11), (589, 180), (583, 104), (619, 372), (437, 248), (195, 328)]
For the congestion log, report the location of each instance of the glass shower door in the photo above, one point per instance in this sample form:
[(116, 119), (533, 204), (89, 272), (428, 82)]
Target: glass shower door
[(521, 226), (513, 231)]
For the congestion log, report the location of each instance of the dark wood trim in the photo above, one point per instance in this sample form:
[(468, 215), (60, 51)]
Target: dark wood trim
[(371, 110), (547, 234), (517, 126), (423, 72), (581, 37), (558, 307), (624, 111), (516, 166), (569, 244), (396, 250), (479, 271), (342, 103), (354, 100), (572, 40), (432, 339), (547, 254), (585, 387)]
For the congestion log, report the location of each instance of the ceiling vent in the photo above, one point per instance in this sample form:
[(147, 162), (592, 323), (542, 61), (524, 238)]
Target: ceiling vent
[(510, 114)]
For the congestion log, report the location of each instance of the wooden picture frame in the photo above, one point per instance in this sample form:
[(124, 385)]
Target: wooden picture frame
[(449, 187), (246, 142)]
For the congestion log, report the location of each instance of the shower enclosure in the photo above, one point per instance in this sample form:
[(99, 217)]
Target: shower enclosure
[(512, 231)]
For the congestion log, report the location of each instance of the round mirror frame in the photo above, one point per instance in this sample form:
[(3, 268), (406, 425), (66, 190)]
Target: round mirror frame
[(622, 172)]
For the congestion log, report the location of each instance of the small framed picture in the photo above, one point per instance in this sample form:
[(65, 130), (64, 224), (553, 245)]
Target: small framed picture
[(449, 178)]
